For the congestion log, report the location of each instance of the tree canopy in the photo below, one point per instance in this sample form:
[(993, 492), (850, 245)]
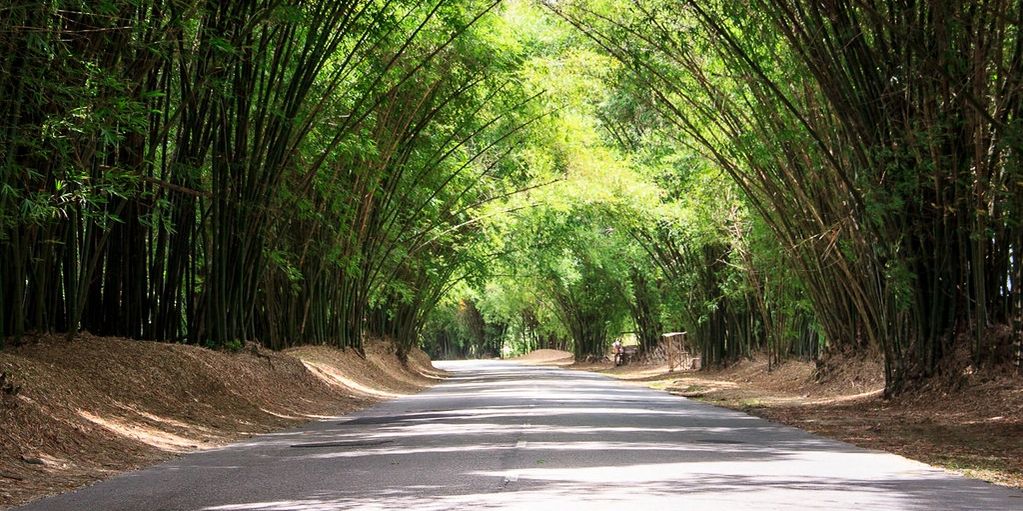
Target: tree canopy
[(489, 177)]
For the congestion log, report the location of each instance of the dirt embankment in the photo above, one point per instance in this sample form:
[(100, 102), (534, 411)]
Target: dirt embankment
[(73, 413), (547, 357), (974, 426)]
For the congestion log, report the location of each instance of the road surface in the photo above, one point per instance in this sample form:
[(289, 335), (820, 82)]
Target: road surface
[(498, 435)]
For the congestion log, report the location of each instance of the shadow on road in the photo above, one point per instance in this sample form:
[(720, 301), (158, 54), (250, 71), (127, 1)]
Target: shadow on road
[(498, 435)]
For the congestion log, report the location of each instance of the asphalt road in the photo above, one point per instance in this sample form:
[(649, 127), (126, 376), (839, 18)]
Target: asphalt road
[(503, 436)]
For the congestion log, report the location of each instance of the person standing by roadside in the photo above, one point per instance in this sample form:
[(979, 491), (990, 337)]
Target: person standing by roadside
[(617, 350)]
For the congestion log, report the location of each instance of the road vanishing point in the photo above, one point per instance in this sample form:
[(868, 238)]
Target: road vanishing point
[(500, 435)]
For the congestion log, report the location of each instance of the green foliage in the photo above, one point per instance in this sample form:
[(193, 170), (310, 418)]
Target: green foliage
[(289, 172), (488, 178), (880, 203)]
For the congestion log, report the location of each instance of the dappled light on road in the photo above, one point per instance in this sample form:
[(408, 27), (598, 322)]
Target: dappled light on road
[(503, 436)]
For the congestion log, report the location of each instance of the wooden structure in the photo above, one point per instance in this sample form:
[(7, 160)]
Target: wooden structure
[(677, 352)]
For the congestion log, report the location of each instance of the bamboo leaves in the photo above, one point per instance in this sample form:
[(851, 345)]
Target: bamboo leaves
[(240, 170), (841, 125)]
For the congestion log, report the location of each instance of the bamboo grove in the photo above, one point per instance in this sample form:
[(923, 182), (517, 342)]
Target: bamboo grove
[(837, 178), (878, 141), (270, 170), (796, 178), (643, 235)]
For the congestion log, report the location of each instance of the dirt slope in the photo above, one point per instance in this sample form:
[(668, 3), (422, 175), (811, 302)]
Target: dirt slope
[(73, 413), (547, 357)]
